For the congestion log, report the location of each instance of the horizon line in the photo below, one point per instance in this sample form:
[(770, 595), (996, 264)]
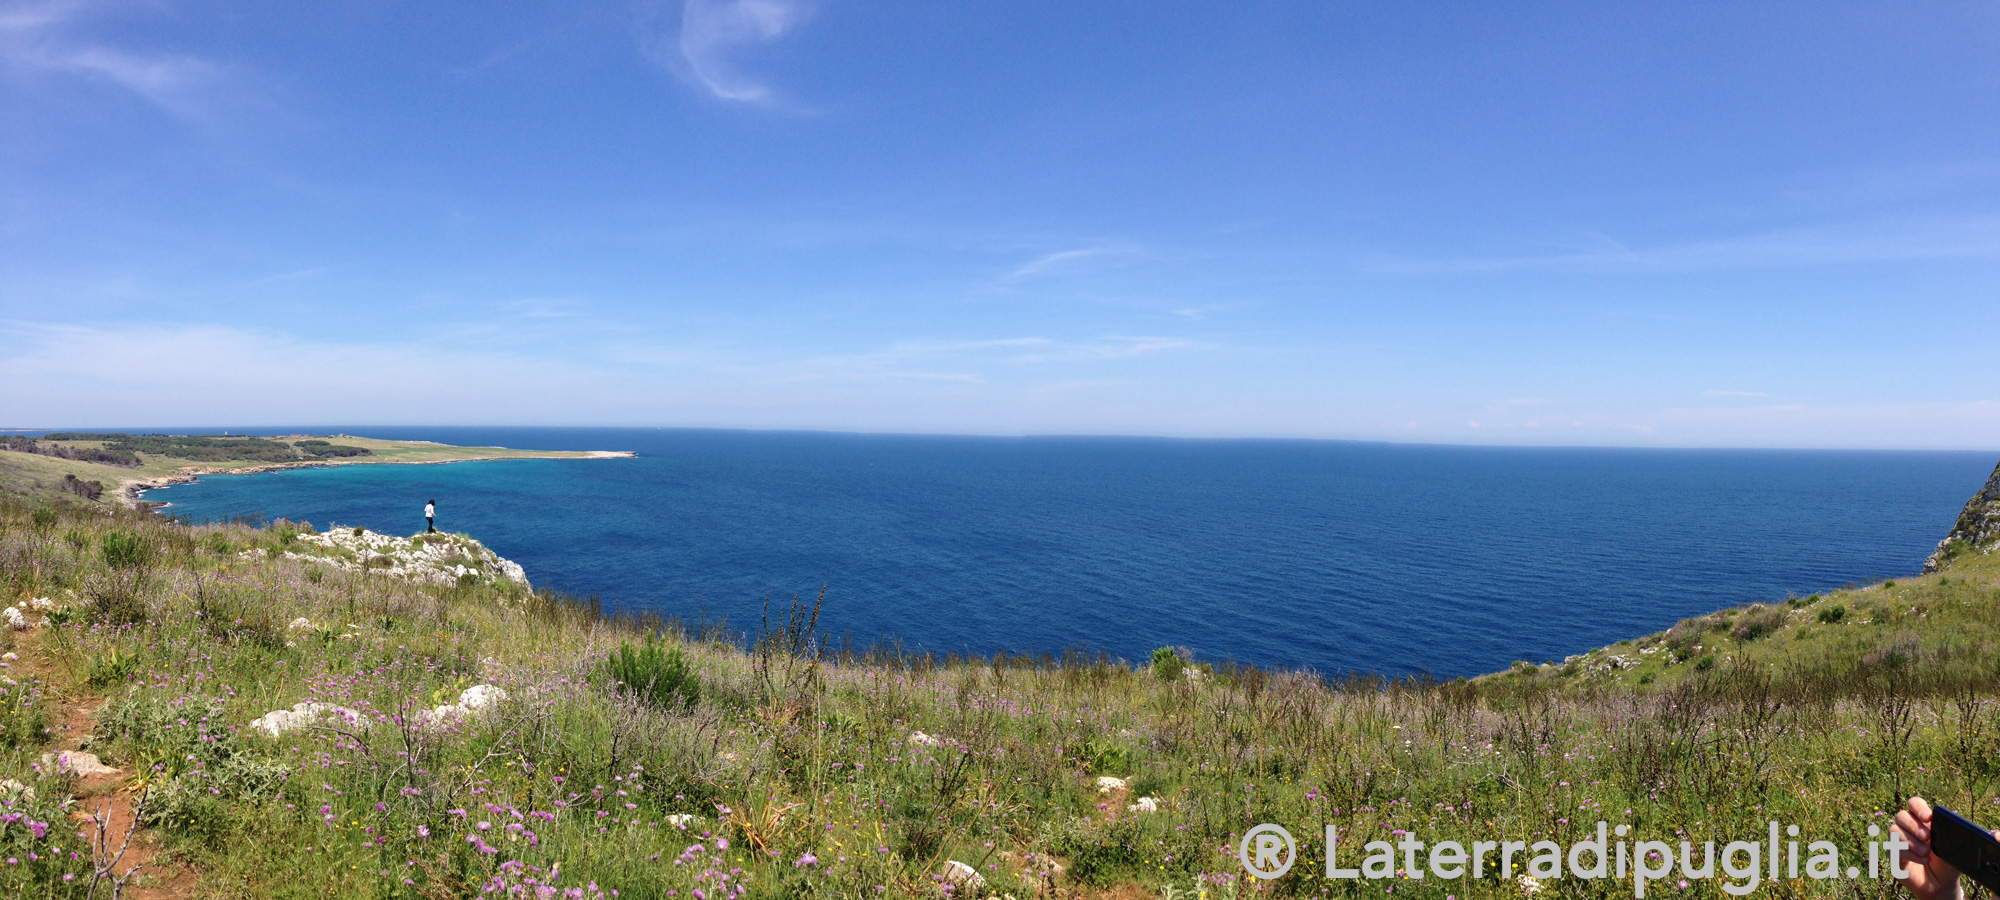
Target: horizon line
[(349, 430)]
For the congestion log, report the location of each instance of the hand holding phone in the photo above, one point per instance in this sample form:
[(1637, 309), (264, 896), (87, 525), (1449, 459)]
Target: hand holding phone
[(1943, 844), (1969, 848)]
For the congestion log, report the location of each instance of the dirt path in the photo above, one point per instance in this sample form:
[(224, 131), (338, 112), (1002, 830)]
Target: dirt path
[(102, 795)]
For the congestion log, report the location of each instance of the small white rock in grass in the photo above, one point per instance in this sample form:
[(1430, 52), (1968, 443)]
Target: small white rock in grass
[(963, 877), (300, 624), (1145, 805), (924, 740), (472, 700), (1107, 783), (42, 604), (306, 713), (480, 696), (682, 820), (77, 763), (9, 656), (14, 619), (11, 788)]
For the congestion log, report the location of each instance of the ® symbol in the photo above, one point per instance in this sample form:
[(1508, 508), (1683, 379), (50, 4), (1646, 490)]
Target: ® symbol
[(1267, 851)]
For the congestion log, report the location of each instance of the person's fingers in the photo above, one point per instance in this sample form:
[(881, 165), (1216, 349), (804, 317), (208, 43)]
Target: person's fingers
[(1918, 835), (1920, 855), (1921, 808)]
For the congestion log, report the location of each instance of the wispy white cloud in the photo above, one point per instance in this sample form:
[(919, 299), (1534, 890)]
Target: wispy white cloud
[(145, 374), (294, 275), (962, 377), (1972, 237), (1890, 186), (971, 361), (1121, 347), (173, 82), (21, 17), (41, 40), (1069, 261), (541, 308), (711, 34), (1043, 264)]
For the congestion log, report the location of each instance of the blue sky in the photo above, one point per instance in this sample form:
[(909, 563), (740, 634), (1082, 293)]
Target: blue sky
[(1654, 224)]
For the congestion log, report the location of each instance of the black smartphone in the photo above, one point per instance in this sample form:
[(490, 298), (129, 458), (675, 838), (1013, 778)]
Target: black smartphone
[(1968, 847)]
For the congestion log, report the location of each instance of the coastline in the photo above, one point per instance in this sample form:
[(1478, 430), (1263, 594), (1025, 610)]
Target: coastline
[(131, 492), (1791, 691)]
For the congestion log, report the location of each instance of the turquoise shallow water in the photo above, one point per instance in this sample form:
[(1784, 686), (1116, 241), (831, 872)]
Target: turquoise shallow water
[(1336, 556)]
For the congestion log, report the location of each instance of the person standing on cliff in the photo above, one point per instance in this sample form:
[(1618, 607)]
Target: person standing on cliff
[(430, 516)]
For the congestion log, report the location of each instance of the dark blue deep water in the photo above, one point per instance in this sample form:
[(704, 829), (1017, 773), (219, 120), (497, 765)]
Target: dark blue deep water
[(1334, 556)]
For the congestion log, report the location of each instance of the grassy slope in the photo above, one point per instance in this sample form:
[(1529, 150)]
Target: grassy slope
[(37, 477), (1950, 614), (1823, 725)]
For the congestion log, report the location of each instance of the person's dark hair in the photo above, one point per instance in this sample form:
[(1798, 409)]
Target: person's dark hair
[(432, 502)]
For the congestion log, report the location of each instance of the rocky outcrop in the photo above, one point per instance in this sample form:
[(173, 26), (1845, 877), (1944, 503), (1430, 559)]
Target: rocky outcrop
[(1977, 529), (438, 558)]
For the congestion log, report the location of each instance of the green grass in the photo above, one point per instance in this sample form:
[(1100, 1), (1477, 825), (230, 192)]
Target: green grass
[(786, 751)]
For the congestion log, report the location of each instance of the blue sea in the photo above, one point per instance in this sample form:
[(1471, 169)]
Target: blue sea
[(1335, 556)]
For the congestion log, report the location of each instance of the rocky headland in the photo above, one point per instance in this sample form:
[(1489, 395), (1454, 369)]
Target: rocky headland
[(435, 558), (1977, 529)]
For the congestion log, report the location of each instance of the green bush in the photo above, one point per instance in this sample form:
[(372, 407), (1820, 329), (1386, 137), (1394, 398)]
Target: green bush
[(125, 550), (1167, 664), (1103, 756), (1099, 853), (1832, 614), (1758, 621), (43, 519), (111, 667), (198, 804), (657, 675), (119, 604), (24, 721)]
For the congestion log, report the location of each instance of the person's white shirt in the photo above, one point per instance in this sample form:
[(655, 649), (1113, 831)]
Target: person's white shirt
[(430, 512)]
